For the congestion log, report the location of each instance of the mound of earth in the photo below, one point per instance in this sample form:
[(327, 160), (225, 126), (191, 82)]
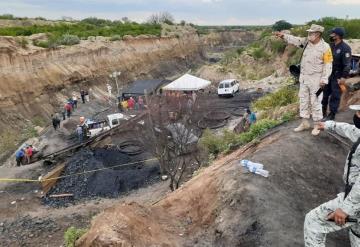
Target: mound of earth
[(226, 206)]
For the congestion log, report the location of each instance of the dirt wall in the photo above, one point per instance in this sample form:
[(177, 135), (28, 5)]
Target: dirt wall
[(32, 78)]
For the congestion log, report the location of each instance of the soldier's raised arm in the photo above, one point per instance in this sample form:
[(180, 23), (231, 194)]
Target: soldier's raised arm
[(297, 41)]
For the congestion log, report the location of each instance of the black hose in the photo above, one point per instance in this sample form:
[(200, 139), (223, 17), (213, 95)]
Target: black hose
[(239, 112), (203, 124), (137, 147), (217, 115)]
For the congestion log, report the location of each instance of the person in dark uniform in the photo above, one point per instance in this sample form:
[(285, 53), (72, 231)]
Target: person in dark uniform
[(341, 68)]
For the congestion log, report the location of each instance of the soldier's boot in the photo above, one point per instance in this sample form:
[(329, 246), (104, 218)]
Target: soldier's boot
[(324, 112), (305, 125), (331, 116), (316, 130)]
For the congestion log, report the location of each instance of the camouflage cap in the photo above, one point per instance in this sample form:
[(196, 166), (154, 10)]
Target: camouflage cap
[(315, 28)]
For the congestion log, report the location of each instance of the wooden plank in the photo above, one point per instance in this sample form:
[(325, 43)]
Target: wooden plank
[(48, 184), (61, 195)]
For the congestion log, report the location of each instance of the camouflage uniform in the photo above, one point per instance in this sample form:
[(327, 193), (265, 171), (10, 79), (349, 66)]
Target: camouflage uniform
[(316, 67), (316, 226)]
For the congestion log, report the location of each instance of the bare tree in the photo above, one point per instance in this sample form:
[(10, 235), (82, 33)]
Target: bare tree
[(170, 135), (162, 17)]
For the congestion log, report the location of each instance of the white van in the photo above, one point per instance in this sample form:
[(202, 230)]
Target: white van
[(228, 87)]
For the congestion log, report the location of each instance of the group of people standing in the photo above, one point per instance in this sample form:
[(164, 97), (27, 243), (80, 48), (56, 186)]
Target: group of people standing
[(70, 105), (323, 71), (132, 103)]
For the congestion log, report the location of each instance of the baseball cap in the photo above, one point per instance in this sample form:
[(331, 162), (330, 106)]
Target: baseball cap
[(339, 31)]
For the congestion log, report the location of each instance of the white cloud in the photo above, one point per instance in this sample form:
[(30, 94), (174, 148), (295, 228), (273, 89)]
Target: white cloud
[(341, 2)]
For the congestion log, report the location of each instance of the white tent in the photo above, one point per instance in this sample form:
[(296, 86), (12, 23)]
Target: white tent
[(187, 83)]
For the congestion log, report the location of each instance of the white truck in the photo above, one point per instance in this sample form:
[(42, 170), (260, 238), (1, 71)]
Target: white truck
[(96, 127)]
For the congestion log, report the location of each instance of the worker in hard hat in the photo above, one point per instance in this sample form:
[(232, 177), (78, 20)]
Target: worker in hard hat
[(343, 211), (315, 69)]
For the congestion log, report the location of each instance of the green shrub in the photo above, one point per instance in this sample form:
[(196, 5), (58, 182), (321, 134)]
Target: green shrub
[(8, 141), (300, 31), (214, 144), (85, 28), (51, 42), (240, 50), (288, 116), (115, 37), (229, 140), (229, 57), (277, 46), (7, 17), (257, 129), (255, 44), (28, 132), (72, 234), (284, 96), (352, 26), (39, 121), (265, 33), (22, 41), (40, 18), (41, 43), (96, 21), (260, 53), (68, 39)]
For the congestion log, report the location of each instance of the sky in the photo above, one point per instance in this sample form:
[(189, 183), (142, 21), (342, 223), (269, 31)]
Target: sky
[(200, 12)]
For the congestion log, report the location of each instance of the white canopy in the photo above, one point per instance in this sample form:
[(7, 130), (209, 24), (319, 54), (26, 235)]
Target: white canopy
[(187, 83)]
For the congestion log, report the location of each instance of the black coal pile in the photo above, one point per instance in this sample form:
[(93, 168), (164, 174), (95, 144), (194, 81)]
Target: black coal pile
[(24, 230), (111, 178)]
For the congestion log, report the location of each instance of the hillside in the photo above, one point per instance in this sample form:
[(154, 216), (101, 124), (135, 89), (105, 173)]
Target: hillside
[(224, 206)]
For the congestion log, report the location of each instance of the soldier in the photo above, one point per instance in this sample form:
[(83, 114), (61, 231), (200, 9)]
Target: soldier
[(341, 69), (334, 215), (315, 69)]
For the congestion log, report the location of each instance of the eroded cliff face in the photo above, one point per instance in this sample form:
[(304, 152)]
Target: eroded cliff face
[(32, 78), (34, 82), (27, 74)]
